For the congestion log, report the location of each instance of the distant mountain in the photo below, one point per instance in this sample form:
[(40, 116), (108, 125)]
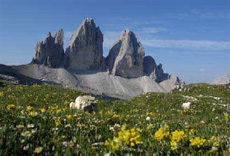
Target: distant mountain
[(126, 71), (224, 79)]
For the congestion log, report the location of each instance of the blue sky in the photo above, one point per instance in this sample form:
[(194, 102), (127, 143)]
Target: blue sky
[(191, 38)]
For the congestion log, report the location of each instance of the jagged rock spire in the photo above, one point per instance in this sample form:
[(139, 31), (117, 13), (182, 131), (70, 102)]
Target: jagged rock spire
[(125, 58), (153, 70), (50, 51), (85, 48)]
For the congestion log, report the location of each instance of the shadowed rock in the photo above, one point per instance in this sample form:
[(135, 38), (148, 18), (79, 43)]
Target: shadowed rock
[(85, 48), (153, 71), (50, 51), (160, 75), (150, 67), (125, 58)]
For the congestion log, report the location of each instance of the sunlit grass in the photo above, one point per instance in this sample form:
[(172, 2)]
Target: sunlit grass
[(36, 120)]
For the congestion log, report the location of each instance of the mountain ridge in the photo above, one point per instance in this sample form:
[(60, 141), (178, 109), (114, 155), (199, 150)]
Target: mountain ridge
[(125, 73)]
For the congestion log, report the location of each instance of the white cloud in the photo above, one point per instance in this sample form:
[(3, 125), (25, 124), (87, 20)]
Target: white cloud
[(207, 14), (144, 35), (111, 36), (202, 69), (152, 30), (187, 44)]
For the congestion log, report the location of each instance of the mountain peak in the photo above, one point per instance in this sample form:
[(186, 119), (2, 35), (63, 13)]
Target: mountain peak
[(126, 56), (85, 48), (50, 52)]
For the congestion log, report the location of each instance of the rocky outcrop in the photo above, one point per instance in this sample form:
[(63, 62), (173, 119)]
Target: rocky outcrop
[(172, 82), (160, 75), (224, 79), (85, 48), (150, 67), (125, 58), (153, 71), (50, 51)]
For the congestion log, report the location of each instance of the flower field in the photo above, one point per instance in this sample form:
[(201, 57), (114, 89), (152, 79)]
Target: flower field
[(37, 120)]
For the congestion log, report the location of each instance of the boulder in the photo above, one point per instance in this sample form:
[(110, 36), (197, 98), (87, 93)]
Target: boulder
[(50, 51), (85, 103), (125, 58), (85, 48)]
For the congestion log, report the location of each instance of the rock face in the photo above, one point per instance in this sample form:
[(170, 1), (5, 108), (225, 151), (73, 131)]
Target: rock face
[(224, 79), (85, 48), (125, 58), (50, 51), (160, 75), (150, 67), (155, 72)]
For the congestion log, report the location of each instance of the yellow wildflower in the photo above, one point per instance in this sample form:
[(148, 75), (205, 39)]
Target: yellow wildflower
[(101, 112), (126, 137), (173, 144), (30, 125), (150, 113), (57, 121), (38, 150), (116, 116), (68, 125), (70, 144), (10, 106), (1, 94), (213, 140), (226, 117), (26, 134), (63, 137), (43, 110), (29, 108), (107, 142), (162, 133), (149, 126), (213, 150), (58, 111), (191, 131), (20, 126), (69, 117), (178, 135), (197, 141), (115, 144), (33, 113)]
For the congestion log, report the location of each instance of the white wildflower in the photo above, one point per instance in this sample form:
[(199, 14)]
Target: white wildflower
[(186, 105), (148, 118)]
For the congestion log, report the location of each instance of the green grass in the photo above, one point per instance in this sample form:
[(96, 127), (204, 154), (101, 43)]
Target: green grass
[(60, 130)]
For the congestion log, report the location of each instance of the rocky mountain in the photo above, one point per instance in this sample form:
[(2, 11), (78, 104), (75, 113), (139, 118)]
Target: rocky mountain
[(125, 73), (125, 58), (224, 79), (85, 48), (50, 51)]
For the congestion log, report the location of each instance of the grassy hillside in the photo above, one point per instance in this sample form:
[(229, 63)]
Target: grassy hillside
[(36, 120)]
